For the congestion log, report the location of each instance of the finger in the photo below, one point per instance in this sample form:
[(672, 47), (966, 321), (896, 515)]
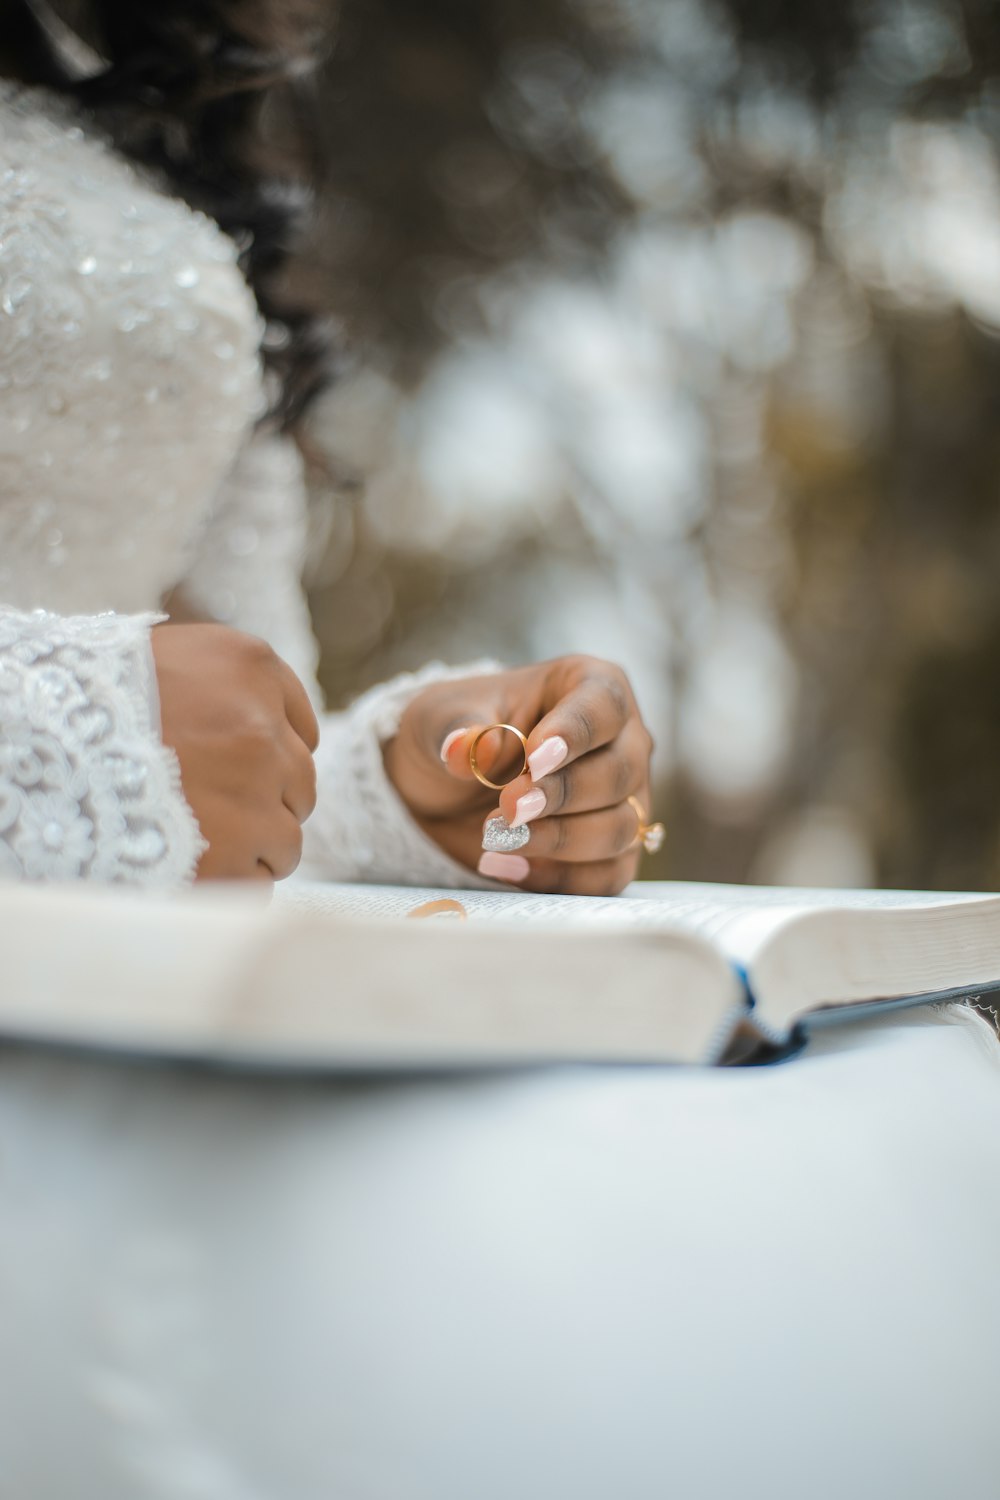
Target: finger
[(301, 714), (603, 778), (593, 709), (227, 857), (299, 781), (581, 839), (605, 877), (281, 846), (222, 868), (499, 753)]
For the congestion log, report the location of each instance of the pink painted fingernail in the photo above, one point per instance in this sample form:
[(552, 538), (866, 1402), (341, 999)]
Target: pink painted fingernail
[(550, 754), (527, 807), (449, 740), (504, 866)]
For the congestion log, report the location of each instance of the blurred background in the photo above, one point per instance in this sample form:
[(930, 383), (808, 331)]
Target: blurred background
[(669, 333)]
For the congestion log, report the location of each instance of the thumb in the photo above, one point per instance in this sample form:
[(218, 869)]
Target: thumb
[(497, 751)]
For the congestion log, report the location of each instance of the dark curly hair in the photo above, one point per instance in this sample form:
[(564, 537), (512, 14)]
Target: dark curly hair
[(185, 86)]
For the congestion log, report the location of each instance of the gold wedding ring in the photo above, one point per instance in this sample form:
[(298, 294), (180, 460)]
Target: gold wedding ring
[(497, 786), (649, 835), (444, 907)]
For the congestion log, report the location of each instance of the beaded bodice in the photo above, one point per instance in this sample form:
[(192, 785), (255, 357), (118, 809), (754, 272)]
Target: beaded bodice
[(128, 367)]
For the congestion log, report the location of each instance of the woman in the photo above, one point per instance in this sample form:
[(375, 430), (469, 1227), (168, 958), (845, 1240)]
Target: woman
[(571, 1284), (147, 470)]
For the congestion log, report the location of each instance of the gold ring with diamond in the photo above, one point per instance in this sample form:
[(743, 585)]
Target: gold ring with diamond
[(649, 835)]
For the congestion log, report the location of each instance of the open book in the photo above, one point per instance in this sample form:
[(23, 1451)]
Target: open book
[(328, 976)]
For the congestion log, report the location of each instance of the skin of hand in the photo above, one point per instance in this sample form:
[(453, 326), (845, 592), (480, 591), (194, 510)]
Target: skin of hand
[(244, 732), (588, 748)]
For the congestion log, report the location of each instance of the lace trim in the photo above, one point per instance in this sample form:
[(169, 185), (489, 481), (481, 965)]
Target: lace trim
[(87, 791), (361, 829)]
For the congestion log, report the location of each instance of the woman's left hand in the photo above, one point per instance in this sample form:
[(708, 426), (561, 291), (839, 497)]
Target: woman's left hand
[(588, 752)]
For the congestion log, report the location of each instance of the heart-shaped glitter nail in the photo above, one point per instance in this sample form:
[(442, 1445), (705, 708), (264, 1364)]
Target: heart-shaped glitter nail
[(500, 838)]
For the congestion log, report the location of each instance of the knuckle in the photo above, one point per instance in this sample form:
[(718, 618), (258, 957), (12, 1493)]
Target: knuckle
[(258, 738), (617, 690), (560, 783), (622, 775), (626, 827), (256, 650), (291, 854), (607, 672), (305, 770), (595, 666), (558, 831), (585, 724), (610, 878), (557, 880), (311, 790)]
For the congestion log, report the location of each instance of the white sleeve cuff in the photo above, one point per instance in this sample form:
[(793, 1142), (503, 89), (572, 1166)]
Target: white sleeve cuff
[(87, 789), (361, 830)]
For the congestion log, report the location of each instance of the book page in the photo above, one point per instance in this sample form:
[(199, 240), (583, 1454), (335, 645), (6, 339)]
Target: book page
[(739, 919), (742, 919), (796, 949), (380, 902)]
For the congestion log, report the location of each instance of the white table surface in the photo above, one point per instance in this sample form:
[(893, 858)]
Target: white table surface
[(592, 1284)]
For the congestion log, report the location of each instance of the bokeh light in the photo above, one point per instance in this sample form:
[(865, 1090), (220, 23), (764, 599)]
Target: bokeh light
[(671, 336)]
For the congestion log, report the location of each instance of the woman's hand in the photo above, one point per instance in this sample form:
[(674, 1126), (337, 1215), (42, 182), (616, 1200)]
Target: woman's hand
[(588, 752), (243, 730)]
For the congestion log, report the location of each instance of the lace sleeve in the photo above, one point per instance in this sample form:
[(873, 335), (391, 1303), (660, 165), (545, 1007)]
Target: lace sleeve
[(87, 789), (360, 829), (248, 574)]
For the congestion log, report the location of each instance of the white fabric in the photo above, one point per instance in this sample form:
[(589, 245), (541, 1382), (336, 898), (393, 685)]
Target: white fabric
[(573, 1284), (87, 791), (129, 388)]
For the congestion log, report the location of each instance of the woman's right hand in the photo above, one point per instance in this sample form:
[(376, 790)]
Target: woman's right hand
[(243, 729)]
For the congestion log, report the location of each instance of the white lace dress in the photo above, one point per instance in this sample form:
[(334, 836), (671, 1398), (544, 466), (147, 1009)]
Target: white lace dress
[(130, 463)]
